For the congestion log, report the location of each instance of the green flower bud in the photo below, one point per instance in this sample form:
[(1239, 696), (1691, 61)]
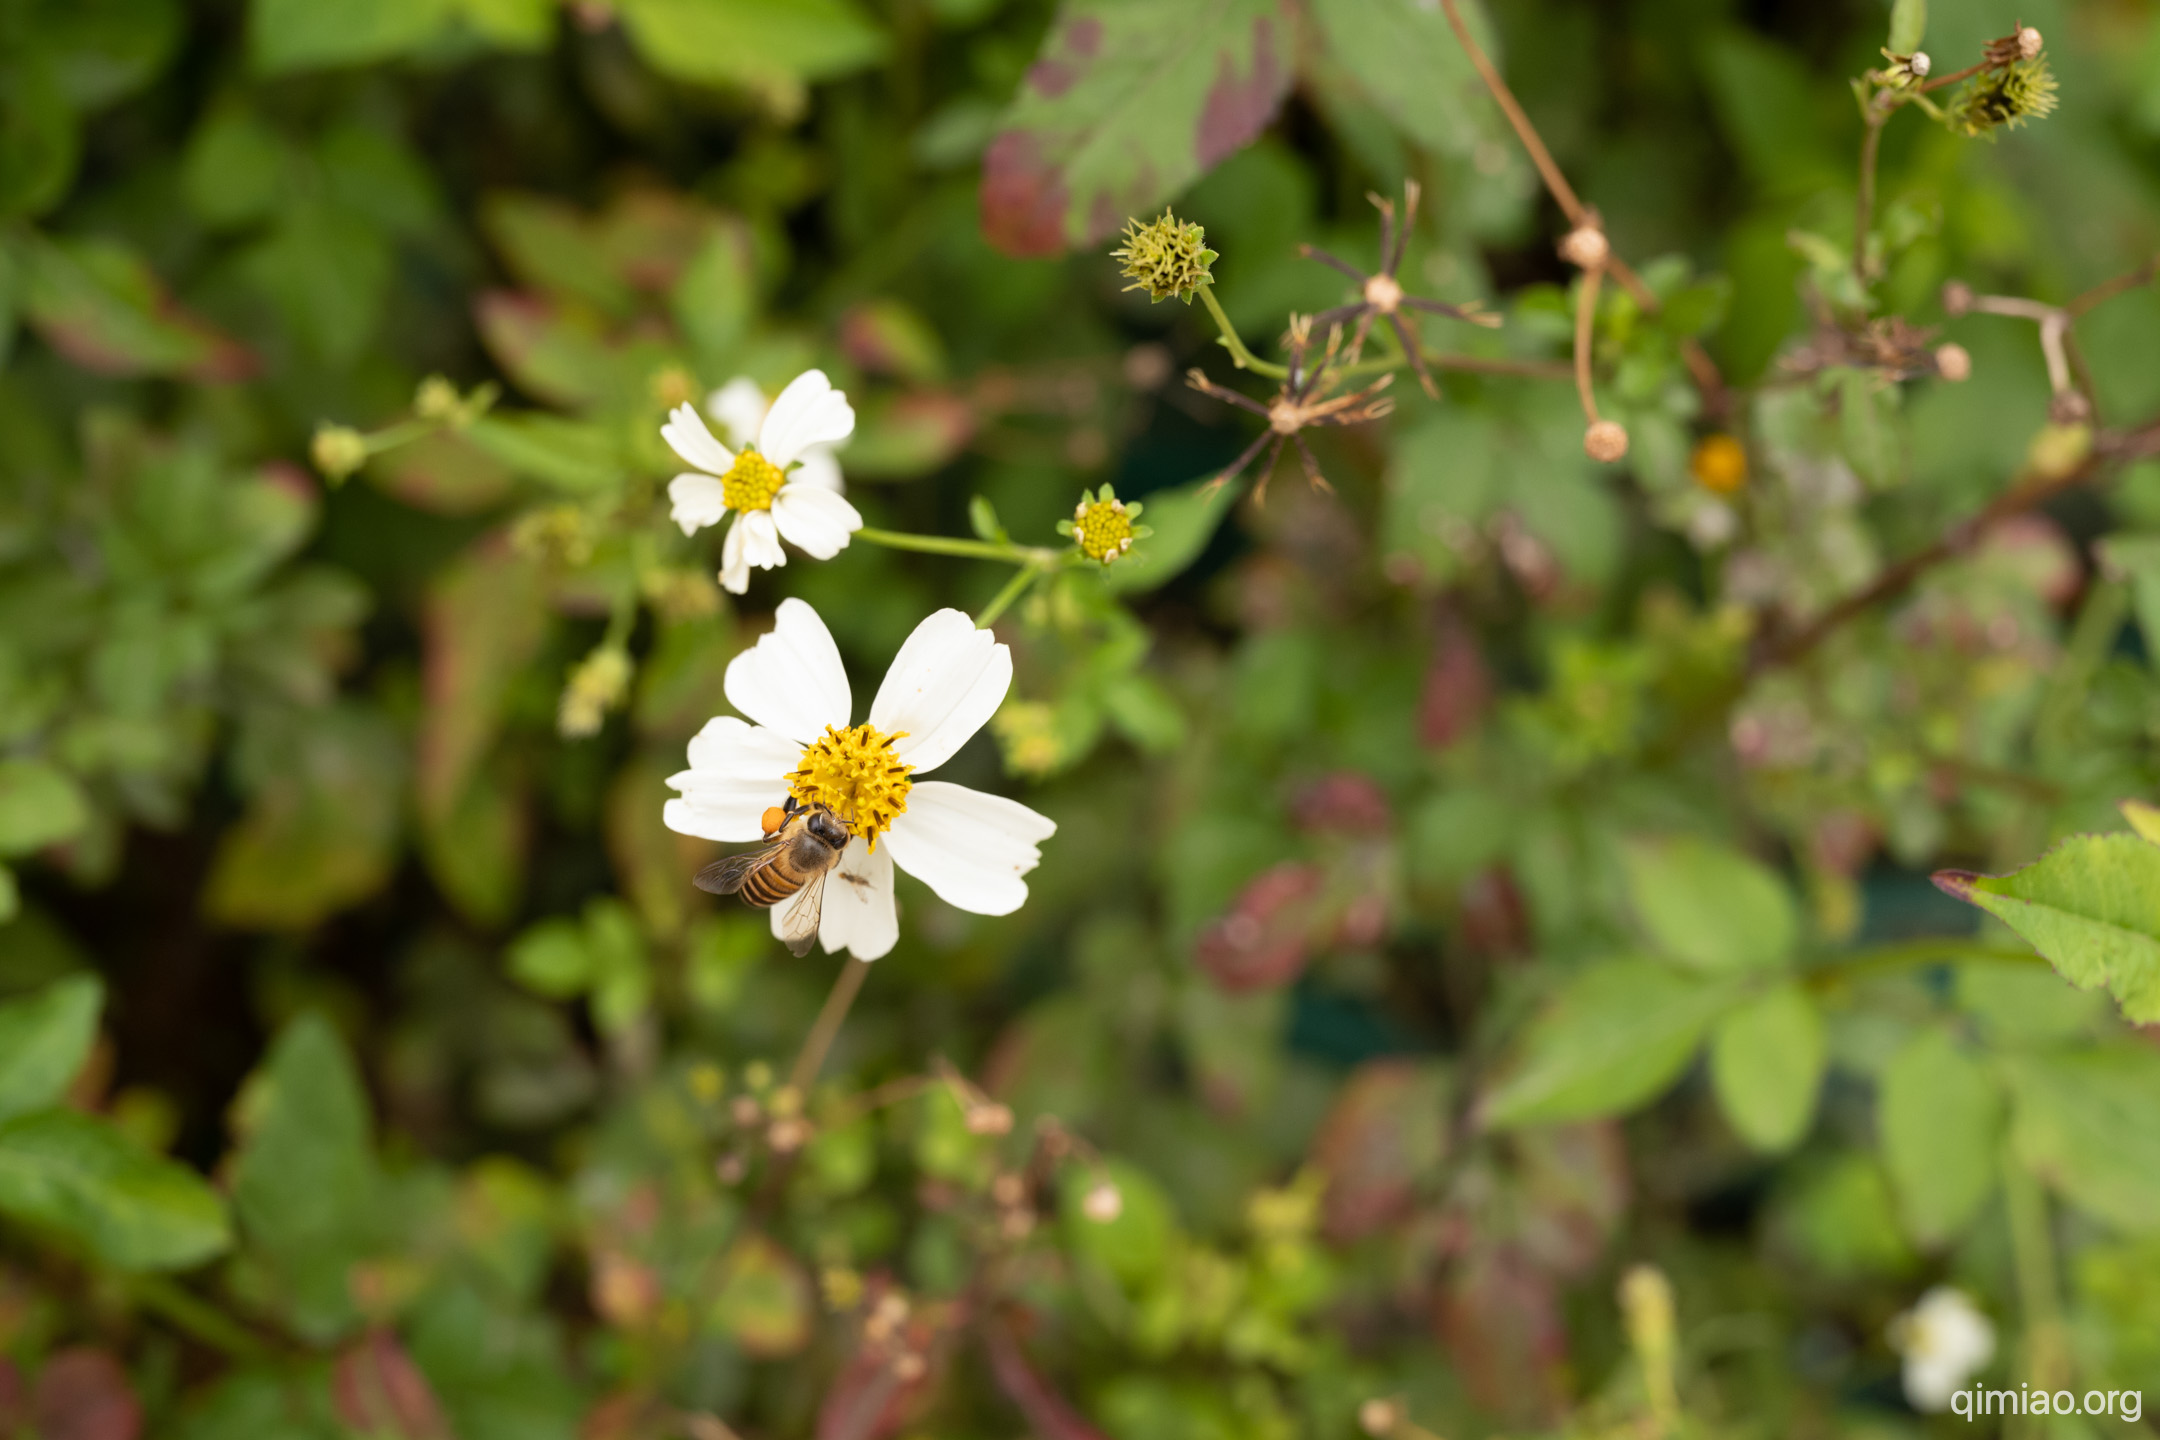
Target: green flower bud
[(1167, 258), (338, 451), (1102, 526)]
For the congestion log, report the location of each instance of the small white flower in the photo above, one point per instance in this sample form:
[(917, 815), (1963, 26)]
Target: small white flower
[(1945, 1341), (766, 483), (741, 406), (944, 685)]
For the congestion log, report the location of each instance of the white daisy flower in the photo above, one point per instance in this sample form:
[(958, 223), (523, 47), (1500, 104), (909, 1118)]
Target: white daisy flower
[(1945, 1341), (948, 679), (765, 483), (741, 406)]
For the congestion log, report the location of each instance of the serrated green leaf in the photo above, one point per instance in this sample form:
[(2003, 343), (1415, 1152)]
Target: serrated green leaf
[(1616, 1036), (44, 1039), (1408, 60), (1766, 1062), (752, 42), (69, 1173), (2083, 1122), (40, 805), (2092, 907), (1939, 1116), (1128, 103), (1708, 907), (1908, 25)]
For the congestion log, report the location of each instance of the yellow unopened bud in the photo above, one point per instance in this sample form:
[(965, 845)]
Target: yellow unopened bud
[(338, 451), (1719, 464), (1168, 258)]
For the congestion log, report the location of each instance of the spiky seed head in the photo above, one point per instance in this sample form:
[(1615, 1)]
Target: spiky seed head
[(2004, 99), (1167, 257)]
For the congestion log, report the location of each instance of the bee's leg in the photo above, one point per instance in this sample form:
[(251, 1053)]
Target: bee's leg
[(790, 805)]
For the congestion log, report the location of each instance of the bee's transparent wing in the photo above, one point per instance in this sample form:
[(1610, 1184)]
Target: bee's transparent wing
[(726, 877), (799, 922)]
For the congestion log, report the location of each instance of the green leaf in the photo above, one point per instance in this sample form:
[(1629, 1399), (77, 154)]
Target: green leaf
[(485, 617), (1939, 1116), (304, 1183), (2083, 1122), (1128, 103), (752, 42), (570, 455), (512, 24), (326, 271), (101, 50), (237, 168), (1710, 908), (715, 297), (321, 829), (44, 1039), (1184, 520), (1908, 25), (1144, 713), (10, 896), (96, 303), (1136, 1244), (2138, 557), (40, 137), (2091, 906), (132, 1210), (40, 805), (764, 1303), (1614, 1039), (287, 35), (1766, 1062), (1407, 58)]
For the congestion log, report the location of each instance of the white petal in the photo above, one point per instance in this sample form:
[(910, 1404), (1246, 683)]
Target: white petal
[(736, 772), (792, 680), (686, 434), (740, 408), (761, 540), (817, 521), (969, 847), (820, 467), (734, 568), (944, 685), (728, 748), (809, 412), (696, 501), (859, 910)]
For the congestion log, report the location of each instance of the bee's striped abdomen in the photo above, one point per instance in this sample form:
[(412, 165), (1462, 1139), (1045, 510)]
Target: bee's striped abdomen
[(769, 884)]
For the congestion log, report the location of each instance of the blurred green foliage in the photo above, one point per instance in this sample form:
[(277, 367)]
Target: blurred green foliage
[(1471, 885)]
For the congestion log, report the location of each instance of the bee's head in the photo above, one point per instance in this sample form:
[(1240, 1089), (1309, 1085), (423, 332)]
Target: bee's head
[(827, 827)]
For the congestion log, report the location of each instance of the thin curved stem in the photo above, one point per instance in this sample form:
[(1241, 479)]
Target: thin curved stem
[(1585, 332), (1562, 192), (1241, 357), (1904, 954), (1023, 579), (826, 1029), (954, 545)]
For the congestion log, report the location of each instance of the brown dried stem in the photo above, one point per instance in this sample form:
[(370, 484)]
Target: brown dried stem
[(827, 1027), (1700, 366), (1585, 331)]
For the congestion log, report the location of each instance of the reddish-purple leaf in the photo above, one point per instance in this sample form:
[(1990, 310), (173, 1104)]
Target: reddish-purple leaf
[(1265, 940), (1499, 1317), (83, 1394), (1388, 1127), (1049, 1414), (380, 1392)]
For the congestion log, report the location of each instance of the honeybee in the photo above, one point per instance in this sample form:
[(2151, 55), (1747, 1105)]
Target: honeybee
[(801, 851)]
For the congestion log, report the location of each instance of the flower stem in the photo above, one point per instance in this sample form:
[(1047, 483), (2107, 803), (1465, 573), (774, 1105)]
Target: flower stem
[(1022, 580), (1870, 151), (827, 1027), (1243, 358), (1904, 953), (1585, 334), (2032, 1249), (196, 1317), (953, 545)]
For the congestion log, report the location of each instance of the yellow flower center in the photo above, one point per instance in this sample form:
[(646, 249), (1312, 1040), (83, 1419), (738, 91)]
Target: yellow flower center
[(855, 774), (751, 482), (1719, 464), (1102, 529)]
